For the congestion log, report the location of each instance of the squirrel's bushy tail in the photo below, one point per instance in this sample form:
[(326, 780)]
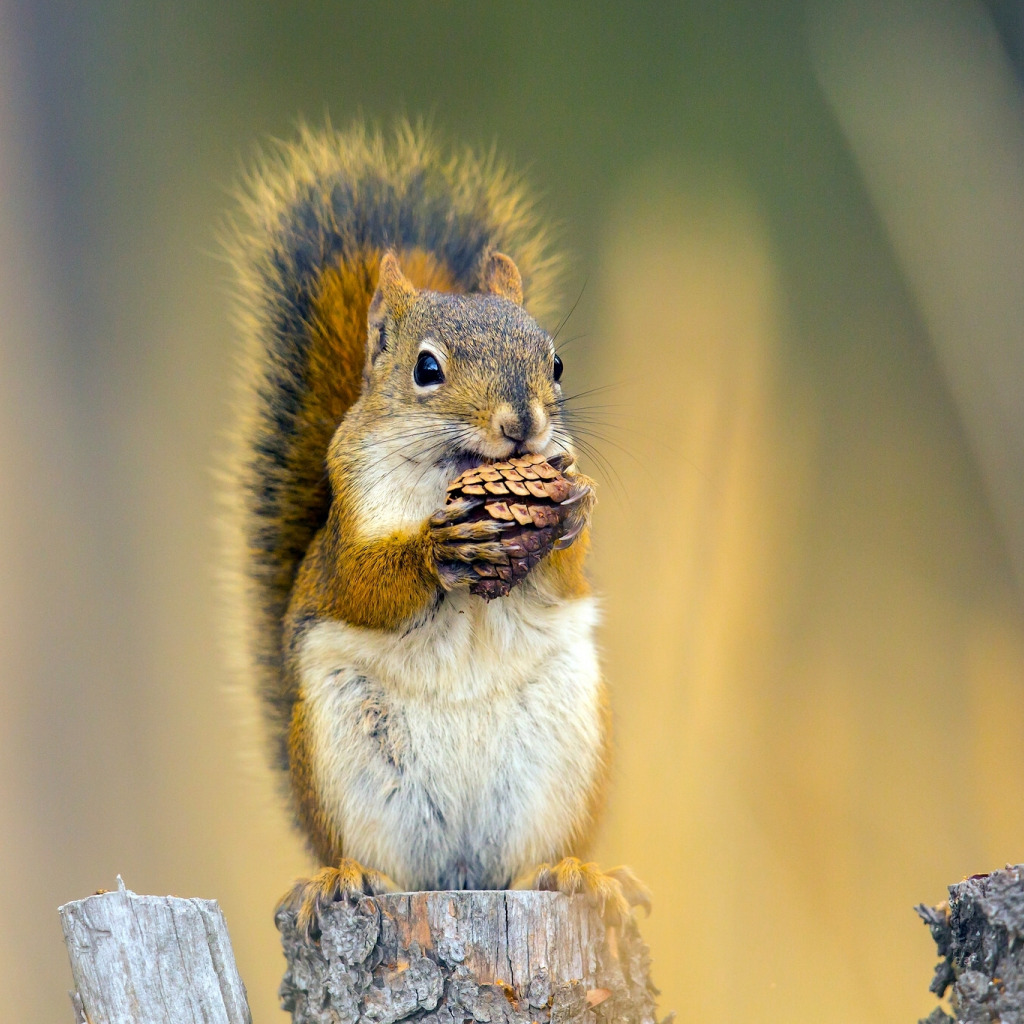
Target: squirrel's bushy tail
[(316, 216)]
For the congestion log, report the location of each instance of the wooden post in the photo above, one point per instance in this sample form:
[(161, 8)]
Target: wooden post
[(979, 937), (151, 960), (428, 957), (447, 957)]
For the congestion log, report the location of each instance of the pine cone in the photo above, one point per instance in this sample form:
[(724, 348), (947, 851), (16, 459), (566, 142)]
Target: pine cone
[(526, 493)]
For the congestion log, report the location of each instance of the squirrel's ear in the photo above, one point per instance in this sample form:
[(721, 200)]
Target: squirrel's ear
[(393, 298), (502, 277)]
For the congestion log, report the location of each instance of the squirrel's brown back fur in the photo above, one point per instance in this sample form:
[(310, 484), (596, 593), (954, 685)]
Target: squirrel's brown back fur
[(316, 217)]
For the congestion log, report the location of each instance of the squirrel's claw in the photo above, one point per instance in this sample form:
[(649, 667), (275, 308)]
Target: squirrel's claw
[(308, 897), (613, 894), (454, 511), (454, 574), (563, 461), (637, 894), (574, 530)]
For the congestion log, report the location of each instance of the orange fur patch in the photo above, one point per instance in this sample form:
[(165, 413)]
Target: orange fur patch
[(376, 584), (563, 570), (334, 374)]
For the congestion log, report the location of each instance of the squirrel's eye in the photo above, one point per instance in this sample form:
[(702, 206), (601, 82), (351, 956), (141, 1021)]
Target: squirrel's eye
[(558, 368), (428, 370)]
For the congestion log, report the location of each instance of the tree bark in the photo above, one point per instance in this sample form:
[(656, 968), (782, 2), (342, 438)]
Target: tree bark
[(151, 960), (980, 937), (504, 957)]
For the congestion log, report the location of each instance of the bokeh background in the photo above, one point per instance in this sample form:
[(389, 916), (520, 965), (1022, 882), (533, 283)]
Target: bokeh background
[(797, 238)]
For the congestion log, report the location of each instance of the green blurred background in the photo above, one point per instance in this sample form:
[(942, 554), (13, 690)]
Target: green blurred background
[(799, 235)]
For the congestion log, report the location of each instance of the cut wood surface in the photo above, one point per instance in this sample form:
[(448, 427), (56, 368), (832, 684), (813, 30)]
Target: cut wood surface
[(446, 957), (152, 960)]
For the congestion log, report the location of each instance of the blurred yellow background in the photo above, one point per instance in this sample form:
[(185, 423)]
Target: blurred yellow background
[(799, 236)]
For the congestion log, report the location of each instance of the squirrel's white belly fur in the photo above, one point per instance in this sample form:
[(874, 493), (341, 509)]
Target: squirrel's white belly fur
[(463, 751)]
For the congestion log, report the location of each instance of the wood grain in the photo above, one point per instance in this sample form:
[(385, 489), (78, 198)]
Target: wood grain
[(152, 960), (447, 957)]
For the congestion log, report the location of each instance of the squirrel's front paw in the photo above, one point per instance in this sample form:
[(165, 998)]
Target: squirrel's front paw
[(459, 546), (580, 504), (612, 893), (349, 880)]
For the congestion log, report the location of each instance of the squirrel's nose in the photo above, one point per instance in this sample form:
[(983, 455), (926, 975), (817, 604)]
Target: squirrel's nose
[(525, 427), (511, 424)]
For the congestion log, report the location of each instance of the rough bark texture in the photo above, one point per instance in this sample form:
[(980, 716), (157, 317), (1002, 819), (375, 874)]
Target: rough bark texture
[(980, 936), (450, 957), (151, 960)]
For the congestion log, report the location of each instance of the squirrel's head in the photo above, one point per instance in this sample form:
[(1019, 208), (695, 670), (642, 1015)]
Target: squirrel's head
[(472, 377)]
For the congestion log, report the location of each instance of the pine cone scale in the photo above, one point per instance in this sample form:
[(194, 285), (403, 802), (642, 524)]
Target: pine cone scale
[(532, 514)]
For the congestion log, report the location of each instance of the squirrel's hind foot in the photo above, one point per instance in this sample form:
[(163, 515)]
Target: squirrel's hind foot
[(349, 880), (613, 893)]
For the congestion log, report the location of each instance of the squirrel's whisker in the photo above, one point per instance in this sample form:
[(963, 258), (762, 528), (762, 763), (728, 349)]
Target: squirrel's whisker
[(565, 319)]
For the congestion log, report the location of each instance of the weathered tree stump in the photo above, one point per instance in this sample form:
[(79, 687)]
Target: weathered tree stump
[(449, 957), (151, 960), (980, 937)]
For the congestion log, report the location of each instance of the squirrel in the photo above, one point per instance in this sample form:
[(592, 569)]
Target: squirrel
[(432, 739)]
